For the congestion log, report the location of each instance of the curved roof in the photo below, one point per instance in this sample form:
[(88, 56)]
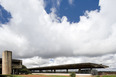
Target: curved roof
[(71, 66)]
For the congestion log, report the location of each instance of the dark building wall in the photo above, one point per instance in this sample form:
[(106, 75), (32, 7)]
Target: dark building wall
[(16, 64)]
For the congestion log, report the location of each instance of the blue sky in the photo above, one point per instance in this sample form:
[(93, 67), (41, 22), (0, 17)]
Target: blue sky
[(4, 15), (36, 30), (72, 11)]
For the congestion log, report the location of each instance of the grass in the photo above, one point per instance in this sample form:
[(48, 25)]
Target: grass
[(107, 76), (53, 76), (10, 76), (23, 76), (56, 76)]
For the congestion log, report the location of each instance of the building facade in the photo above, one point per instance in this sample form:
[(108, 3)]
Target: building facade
[(9, 65)]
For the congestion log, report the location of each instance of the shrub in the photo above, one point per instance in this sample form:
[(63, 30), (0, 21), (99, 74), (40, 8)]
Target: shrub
[(24, 70), (73, 74), (98, 76)]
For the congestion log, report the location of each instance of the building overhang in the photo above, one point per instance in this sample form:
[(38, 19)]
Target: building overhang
[(71, 66)]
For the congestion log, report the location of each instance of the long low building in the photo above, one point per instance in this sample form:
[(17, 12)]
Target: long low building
[(16, 65), (82, 68)]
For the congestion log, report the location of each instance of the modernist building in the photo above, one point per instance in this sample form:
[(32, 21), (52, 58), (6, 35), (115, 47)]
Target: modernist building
[(82, 68), (9, 65)]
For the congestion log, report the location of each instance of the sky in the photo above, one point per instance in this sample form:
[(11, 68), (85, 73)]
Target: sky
[(53, 32)]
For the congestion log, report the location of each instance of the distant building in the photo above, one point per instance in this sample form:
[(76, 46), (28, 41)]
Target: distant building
[(83, 68), (9, 65)]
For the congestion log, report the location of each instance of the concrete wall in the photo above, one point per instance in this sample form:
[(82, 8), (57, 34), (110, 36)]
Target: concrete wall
[(64, 74), (7, 62)]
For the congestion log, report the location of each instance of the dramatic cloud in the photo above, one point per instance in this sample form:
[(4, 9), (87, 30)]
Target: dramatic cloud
[(32, 32), (106, 60)]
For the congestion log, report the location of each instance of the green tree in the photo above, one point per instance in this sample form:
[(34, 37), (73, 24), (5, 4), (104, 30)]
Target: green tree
[(73, 74), (24, 70)]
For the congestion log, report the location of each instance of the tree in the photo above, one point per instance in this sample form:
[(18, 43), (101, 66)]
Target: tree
[(73, 74), (24, 70)]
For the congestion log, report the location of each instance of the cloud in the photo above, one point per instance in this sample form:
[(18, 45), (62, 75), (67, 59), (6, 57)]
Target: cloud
[(58, 2), (40, 62), (70, 2), (34, 61), (33, 32), (109, 60)]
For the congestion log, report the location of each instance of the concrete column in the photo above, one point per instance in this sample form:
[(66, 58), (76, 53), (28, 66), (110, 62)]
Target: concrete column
[(13, 71), (79, 71), (7, 62), (17, 71), (54, 70), (90, 70), (67, 70), (41, 71)]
